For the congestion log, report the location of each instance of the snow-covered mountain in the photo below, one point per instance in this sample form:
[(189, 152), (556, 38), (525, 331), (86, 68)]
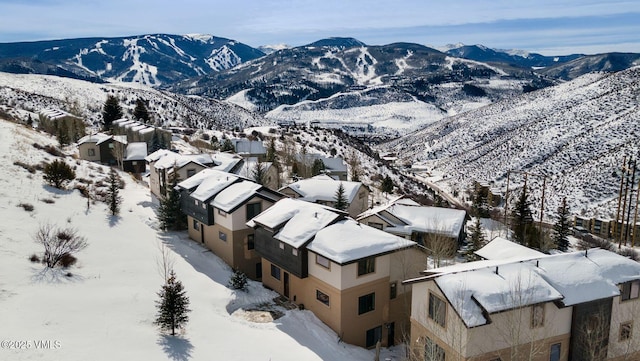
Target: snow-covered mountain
[(22, 94), (576, 134), (517, 58), (154, 59)]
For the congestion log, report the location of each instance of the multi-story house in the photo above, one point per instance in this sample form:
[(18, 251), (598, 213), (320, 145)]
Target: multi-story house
[(323, 189), (348, 274), (577, 306), (218, 205), (406, 218)]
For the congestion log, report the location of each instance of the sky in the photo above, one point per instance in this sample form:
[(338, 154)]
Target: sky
[(550, 27)]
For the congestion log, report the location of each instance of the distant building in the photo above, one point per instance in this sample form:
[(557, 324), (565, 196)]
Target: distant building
[(134, 158), (249, 148), (53, 121), (100, 147)]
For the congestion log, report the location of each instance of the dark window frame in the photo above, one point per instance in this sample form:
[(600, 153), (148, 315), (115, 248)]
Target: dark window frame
[(323, 298), (251, 242), (251, 212), (437, 310), (366, 303), (275, 272), (366, 266)]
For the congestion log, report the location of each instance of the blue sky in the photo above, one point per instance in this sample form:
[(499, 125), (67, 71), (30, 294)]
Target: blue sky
[(551, 27)]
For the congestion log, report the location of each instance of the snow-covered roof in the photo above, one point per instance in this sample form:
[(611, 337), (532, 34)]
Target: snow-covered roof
[(303, 220), (246, 146), (348, 240), (436, 220), (225, 161), (136, 151), (500, 248), (249, 166), (323, 188), (53, 113), (120, 121), (168, 159), (499, 285), (235, 194), (208, 183), (335, 164), (97, 138)]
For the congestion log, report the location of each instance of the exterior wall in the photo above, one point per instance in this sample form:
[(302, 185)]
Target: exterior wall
[(154, 180), (624, 311), (354, 326), (360, 202), (375, 219), (106, 152), (182, 172), (281, 253), (492, 340), (134, 166), (83, 151)]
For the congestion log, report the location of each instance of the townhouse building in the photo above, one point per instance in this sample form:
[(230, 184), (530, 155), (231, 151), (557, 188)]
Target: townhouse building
[(347, 273)]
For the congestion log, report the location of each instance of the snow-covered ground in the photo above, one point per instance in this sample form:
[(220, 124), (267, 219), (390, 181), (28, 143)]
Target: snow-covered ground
[(105, 309)]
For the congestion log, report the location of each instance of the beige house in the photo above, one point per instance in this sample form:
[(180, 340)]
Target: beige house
[(218, 205), (322, 189), (348, 274), (573, 306), (406, 218)]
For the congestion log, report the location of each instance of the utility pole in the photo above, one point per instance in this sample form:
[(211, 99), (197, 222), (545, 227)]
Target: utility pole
[(633, 181), (635, 217), (619, 229), (624, 204)]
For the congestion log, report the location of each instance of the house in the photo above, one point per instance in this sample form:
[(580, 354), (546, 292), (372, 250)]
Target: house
[(249, 148), (572, 306), (323, 189), (249, 169), (100, 147), (334, 167), (218, 205), (134, 158), (422, 224), (163, 162), (346, 273), (135, 131), (54, 121)]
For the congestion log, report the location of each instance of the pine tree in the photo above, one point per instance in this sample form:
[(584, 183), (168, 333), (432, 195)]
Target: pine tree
[(238, 280), (63, 133), (271, 150), (562, 227), (170, 213), (173, 305), (317, 167), (523, 220), (113, 193), (140, 112), (480, 206), (155, 142), (387, 184), (111, 111), (475, 241), (227, 146), (341, 202), (259, 173)]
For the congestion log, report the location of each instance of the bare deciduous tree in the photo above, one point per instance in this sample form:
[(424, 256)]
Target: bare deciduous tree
[(58, 243)]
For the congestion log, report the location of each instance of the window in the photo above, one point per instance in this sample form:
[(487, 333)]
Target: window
[(393, 290), (324, 262), (373, 336), (91, 152), (294, 252), (366, 303), (554, 353), (376, 225), (366, 266), (626, 329), (191, 172), (537, 315), (196, 226), (275, 272), (259, 270), (222, 213), (222, 236), (250, 242), (195, 201), (253, 209), (432, 351), (437, 309), (630, 290), (322, 297), (281, 245)]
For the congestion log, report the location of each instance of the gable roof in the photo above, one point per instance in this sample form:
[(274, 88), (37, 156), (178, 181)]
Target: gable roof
[(414, 217), (235, 194), (500, 248), (166, 159), (347, 241), (136, 151), (97, 138), (498, 285), (207, 183), (323, 188)]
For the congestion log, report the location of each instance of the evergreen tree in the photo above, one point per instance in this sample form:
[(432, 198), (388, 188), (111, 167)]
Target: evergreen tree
[(562, 228), (480, 206), (140, 112), (475, 241), (170, 213), (63, 133), (341, 201), (58, 173), (173, 305), (317, 167), (227, 146), (259, 173), (214, 143), (238, 280), (155, 142), (271, 150), (113, 193), (387, 184), (522, 226), (111, 111)]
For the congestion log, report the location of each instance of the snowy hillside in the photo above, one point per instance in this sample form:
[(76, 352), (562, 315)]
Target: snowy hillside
[(153, 59), (31, 93), (103, 307), (576, 134)]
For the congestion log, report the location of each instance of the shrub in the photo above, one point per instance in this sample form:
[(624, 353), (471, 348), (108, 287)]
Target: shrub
[(26, 206), (58, 243), (67, 260), (58, 173), (238, 280), (34, 258), (48, 200), (31, 169)]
